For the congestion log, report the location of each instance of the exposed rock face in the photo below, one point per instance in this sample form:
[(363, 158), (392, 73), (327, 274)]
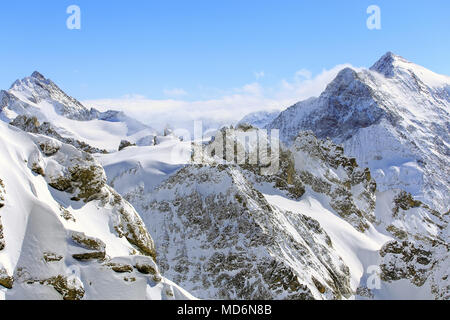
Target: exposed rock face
[(218, 237), (52, 257), (323, 167), (352, 107), (32, 125), (310, 162), (2, 237), (124, 144), (6, 280), (95, 246), (405, 260), (2, 193), (275, 164), (420, 251), (69, 289), (393, 118), (77, 173), (146, 266)]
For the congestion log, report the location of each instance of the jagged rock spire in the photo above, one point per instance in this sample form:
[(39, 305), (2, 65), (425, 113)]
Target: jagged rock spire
[(387, 64), (37, 75)]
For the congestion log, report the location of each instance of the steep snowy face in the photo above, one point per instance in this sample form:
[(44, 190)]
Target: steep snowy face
[(222, 230), (348, 188), (394, 118), (259, 119), (218, 237), (64, 233), (419, 251), (309, 163), (32, 125), (345, 106), (66, 119), (391, 66), (36, 90), (213, 222)]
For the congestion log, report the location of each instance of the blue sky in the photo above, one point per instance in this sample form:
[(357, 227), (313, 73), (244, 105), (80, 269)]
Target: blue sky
[(200, 49)]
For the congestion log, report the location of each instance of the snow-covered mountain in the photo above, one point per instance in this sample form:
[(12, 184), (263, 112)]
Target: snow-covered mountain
[(135, 214), (64, 233), (36, 97), (259, 119), (311, 230), (394, 118), (219, 236)]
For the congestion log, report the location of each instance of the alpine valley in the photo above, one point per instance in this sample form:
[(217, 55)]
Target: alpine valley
[(97, 205)]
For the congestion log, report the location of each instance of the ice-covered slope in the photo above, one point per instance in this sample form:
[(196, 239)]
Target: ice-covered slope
[(145, 167), (38, 97), (394, 118), (259, 119), (64, 233)]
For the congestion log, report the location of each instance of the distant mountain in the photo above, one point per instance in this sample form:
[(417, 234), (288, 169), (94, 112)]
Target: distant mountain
[(394, 118), (259, 119), (40, 98)]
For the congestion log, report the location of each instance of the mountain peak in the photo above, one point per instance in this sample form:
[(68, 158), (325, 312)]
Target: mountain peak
[(346, 74), (36, 88), (394, 66), (37, 76), (28, 82), (388, 63)]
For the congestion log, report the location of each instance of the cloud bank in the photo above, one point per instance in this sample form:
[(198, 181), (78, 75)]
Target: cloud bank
[(225, 109)]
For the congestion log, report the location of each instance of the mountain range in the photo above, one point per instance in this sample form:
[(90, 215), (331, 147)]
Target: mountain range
[(97, 205)]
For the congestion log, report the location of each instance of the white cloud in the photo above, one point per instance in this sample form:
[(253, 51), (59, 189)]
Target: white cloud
[(226, 108), (304, 86), (252, 88)]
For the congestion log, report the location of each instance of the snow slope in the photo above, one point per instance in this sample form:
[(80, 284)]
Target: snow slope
[(361, 253), (316, 226), (145, 167), (259, 119), (82, 241), (36, 96), (219, 238), (217, 225)]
